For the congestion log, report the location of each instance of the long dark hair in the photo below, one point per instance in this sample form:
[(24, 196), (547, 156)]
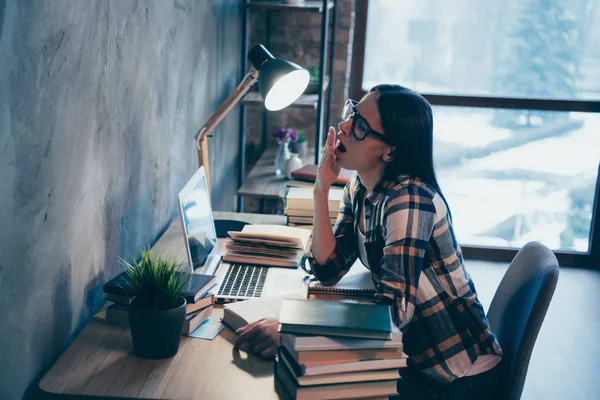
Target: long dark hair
[(407, 120)]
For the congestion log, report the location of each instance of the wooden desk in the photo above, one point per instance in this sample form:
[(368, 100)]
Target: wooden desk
[(100, 361), (261, 182)]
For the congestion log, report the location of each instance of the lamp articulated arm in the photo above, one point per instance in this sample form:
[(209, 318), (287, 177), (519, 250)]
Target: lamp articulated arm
[(221, 112)]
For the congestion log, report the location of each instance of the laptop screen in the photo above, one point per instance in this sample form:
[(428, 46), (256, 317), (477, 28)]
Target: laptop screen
[(196, 216)]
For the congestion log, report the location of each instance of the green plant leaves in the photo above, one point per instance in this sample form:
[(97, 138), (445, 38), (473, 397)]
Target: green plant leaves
[(155, 281)]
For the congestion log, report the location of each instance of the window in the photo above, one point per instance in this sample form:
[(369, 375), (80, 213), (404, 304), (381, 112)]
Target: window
[(535, 48), (516, 93)]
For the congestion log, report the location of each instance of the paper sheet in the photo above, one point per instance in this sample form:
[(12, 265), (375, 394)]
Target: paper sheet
[(208, 330)]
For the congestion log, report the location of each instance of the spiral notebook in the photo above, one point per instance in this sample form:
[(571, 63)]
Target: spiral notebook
[(356, 282)]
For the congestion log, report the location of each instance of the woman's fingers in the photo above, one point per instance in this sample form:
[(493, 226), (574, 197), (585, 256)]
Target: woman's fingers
[(262, 346), (330, 137), (269, 353), (329, 145), (247, 335), (244, 328)]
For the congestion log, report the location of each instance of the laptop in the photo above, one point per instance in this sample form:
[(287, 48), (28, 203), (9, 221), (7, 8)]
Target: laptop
[(235, 281)]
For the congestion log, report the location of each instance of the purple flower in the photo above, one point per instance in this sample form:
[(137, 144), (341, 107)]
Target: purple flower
[(284, 134), (293, 135)]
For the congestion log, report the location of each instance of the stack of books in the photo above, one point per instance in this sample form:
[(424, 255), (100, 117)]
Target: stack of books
[(270, 245), (337, 350), (199, 293), (299, 205)]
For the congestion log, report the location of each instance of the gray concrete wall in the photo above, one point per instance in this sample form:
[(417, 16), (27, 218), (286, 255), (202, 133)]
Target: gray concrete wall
[(99, 103)]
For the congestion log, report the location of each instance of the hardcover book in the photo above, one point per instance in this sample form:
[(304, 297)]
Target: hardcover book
[(194, 289), (332, 318), (309, 173)]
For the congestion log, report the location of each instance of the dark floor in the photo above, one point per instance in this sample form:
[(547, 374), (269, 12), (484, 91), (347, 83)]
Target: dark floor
[(565, 363)]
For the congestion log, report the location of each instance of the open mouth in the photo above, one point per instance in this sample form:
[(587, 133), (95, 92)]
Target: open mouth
[(340, 147)]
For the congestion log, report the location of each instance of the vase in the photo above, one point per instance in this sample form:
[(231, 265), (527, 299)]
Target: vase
[(283, 154), (291, 165)]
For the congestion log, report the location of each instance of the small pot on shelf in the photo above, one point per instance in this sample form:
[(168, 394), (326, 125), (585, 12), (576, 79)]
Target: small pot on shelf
[(292, 164), (302, 149)]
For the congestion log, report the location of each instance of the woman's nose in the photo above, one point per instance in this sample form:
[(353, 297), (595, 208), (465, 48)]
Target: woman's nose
[(345, 127)]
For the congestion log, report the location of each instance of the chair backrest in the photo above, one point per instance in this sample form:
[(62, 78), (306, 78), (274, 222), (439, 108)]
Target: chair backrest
[(518, 310)]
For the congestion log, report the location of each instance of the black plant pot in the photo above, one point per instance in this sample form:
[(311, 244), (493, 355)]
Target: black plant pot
[(156, 333)]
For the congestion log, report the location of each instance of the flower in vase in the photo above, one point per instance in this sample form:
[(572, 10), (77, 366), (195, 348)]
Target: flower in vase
[(285, 135)]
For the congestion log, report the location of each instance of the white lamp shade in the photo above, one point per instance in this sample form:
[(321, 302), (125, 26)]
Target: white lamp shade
[(287, 89)]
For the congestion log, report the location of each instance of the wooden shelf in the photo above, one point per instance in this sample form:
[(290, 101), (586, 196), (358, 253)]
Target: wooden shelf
[(305, 101), (261, 182), (307, 6)]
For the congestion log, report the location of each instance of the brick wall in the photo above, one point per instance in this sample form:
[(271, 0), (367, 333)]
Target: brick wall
[(296, 36)]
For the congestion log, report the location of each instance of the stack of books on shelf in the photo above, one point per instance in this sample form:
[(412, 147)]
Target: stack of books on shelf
[(199, 293), (299, 205), (337, 350), (270, 245)]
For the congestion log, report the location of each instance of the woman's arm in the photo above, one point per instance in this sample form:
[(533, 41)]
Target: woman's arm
[(323, 241), (336, 256), (332, 252), (409, 219)]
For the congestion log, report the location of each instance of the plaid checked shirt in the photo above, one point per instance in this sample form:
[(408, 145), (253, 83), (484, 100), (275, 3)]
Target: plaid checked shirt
[(417, 267)]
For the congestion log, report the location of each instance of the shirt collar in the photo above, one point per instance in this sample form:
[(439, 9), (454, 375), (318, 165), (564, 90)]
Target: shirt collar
[(376, 194), (380, 189)]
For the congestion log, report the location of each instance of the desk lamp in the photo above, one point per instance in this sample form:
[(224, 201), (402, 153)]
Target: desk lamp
[(281, 83)]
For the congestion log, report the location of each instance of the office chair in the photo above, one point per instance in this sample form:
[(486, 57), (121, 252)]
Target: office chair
[(518, 310)]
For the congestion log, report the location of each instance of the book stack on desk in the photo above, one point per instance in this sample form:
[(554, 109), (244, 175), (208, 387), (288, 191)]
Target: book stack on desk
[(199, 293), (337, 350), (270, 245), (299, 205)]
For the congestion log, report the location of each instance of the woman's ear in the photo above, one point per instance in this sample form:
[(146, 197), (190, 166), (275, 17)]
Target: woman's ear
[(388, 156)]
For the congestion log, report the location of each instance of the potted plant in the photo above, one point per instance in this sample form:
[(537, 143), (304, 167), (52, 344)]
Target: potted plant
[(157, 310), (301, 144)]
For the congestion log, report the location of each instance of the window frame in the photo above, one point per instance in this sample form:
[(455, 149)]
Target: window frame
[(589, 259)]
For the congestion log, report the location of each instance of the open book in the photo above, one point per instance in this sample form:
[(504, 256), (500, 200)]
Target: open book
[(357, 281), (270, 245), (241, 313)]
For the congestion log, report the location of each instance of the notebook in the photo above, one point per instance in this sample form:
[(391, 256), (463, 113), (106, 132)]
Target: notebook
[(333, 318), (356, 282)]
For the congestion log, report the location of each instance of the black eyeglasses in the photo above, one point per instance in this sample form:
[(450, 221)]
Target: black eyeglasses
[(360, 127)]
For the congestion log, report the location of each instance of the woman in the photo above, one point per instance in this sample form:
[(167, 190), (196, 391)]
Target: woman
[(396, 219)]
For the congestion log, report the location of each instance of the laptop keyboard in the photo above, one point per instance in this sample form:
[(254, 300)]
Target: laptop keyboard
[(243, 280)]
